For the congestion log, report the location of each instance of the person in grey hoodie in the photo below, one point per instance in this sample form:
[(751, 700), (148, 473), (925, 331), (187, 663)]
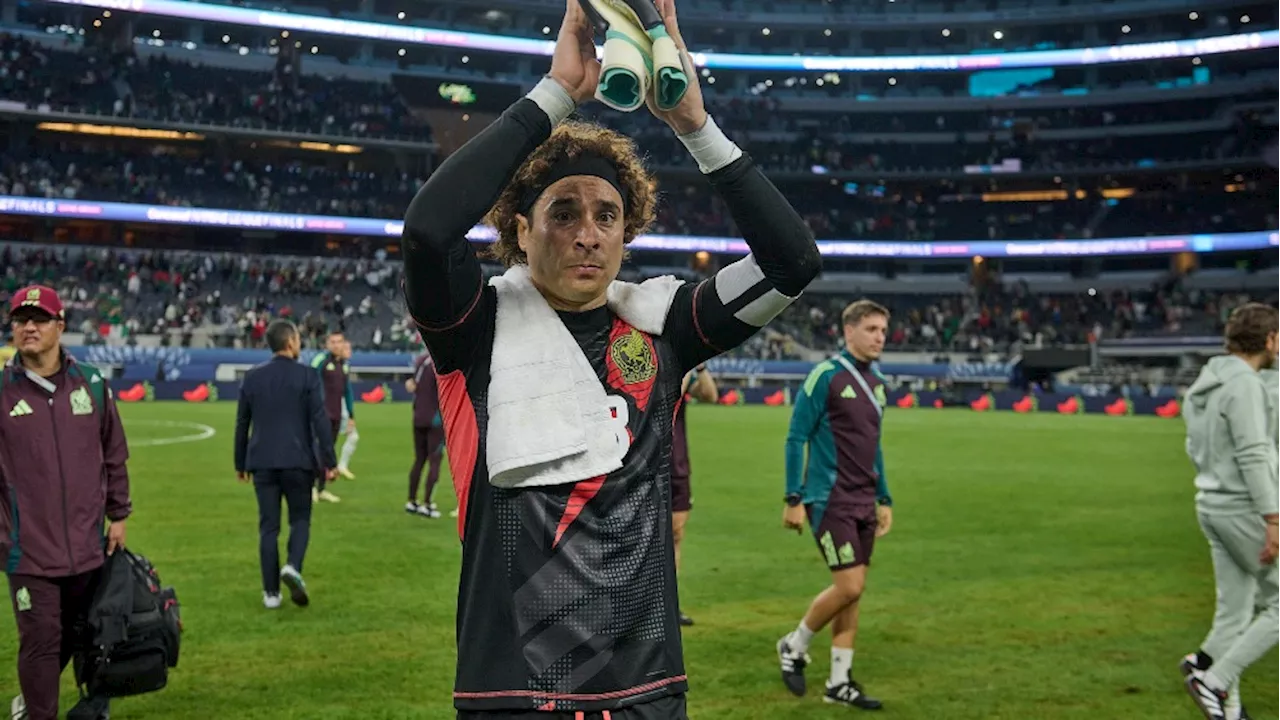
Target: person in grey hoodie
[(1231, 438)]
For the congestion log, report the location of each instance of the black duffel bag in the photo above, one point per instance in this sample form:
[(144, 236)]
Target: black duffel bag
[(134, 631)]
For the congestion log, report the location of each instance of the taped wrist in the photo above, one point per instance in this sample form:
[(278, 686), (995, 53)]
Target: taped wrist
[(554, 100), (710, 147)]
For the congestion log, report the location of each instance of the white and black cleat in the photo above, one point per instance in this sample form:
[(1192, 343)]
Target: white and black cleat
[(850, 694), (1211, 702), (793, 664)]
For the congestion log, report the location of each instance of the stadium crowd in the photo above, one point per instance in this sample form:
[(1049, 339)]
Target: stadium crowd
[(69, 170), (119, 83), (169, 88), (1003, 318), (230, 298)]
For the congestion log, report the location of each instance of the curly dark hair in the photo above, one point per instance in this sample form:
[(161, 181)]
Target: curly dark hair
[(572, 139)]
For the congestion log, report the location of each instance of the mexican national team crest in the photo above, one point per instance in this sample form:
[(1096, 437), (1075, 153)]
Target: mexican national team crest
[(80, 402), (33, 295), (634, 357), (23, 599), (632, 362)]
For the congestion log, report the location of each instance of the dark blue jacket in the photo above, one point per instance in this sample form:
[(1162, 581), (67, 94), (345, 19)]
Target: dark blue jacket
[(283, 401)]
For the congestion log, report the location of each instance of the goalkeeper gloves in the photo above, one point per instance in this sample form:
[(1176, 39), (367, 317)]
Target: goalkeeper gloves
[(639, 57)]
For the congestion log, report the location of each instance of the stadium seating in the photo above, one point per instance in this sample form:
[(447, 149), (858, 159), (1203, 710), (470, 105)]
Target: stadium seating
[(104, 107), (208, 300)]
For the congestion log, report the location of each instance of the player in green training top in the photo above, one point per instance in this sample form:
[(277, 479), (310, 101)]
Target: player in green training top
[(842, 491), (338, 396)]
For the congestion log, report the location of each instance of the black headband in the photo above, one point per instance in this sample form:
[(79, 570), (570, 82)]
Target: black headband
[(585, 164)]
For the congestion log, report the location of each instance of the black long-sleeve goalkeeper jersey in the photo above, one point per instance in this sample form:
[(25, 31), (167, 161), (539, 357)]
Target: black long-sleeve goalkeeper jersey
[(567, 599)]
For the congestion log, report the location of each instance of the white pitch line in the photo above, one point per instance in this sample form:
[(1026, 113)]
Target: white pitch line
[(204, 432)]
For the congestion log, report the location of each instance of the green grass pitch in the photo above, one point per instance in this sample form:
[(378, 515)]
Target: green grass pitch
[(1041, 566)]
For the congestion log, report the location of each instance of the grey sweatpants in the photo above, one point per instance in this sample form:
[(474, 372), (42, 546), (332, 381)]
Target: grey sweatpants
[(1246, 621)]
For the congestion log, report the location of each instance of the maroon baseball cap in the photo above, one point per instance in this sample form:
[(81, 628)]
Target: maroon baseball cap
[(39, 297)]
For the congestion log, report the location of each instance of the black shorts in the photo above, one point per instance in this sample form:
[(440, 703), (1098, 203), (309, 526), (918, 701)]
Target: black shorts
[(681, 494), (336, 425), (671, 707), (846, 536)]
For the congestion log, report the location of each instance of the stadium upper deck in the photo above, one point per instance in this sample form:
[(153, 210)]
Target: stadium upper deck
[(1171, 131)]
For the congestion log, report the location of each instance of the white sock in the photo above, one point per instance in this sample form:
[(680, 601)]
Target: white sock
[(841, 664), (800, 638), (348, 449)]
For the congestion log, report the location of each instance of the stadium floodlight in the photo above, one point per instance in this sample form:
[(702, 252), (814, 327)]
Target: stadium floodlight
[(375, 227), (188, 10)]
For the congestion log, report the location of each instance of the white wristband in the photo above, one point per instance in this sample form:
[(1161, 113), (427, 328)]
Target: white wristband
[(711, 147), (554, 100)]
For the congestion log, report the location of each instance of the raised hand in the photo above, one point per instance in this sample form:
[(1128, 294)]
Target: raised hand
[(574, 64), (691, 114)]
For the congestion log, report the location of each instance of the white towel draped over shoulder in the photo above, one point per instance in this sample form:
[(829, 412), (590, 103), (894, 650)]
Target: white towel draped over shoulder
[(548, 411)]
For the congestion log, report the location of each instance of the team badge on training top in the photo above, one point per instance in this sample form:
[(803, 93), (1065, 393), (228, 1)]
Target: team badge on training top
[(80, 402)]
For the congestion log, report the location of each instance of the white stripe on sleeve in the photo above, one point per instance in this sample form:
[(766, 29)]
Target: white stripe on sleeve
[(760, 311)]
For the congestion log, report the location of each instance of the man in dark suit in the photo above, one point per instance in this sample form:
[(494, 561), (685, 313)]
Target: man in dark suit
[(283, 401)]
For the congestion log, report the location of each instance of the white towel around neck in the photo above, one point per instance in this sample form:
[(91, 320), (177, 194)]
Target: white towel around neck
[(548, 412)]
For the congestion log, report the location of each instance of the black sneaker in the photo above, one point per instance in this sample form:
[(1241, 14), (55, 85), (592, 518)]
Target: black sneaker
[(850, 694), (91, 708), (685, 620), (1211, 702), (793, 664)]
